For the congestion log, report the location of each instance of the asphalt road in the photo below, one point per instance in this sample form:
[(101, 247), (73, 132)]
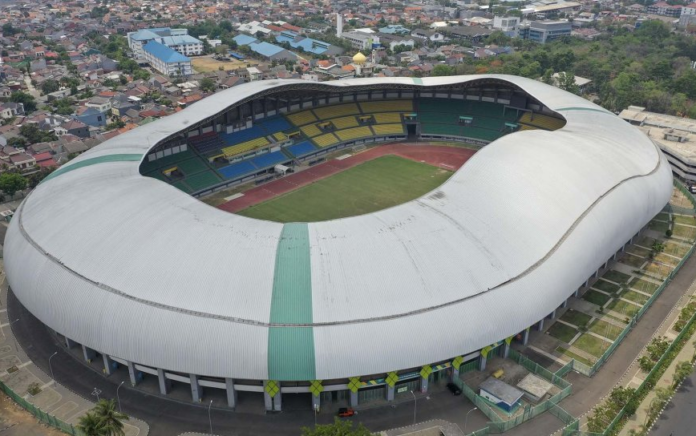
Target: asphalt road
[(679, 418), (169, 418)]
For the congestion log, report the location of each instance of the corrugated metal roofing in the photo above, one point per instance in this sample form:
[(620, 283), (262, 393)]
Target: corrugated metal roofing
[(134, 267)]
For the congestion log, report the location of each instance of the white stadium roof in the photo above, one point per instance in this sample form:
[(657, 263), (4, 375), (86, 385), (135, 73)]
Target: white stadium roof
[(135, 268)]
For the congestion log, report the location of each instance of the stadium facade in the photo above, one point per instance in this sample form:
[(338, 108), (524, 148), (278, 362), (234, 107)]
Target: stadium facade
[(148, 279)]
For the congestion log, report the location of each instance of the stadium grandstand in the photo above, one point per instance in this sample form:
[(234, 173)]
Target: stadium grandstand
[(291, 129), (157, 286)]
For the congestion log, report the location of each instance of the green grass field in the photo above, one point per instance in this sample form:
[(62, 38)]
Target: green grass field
[(370, 186)]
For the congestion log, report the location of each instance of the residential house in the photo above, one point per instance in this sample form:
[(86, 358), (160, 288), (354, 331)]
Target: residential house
[(9, 110)]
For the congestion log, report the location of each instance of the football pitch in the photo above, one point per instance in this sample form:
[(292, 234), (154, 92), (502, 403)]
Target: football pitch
[(368, 187)]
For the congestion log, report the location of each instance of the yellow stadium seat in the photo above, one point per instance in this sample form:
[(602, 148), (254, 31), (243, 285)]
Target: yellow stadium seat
[(340, 110), (245, 147), (310, 130), (354, 133), (302, 118), (388, 129), (325, 140), (387, 118), (344, 122)]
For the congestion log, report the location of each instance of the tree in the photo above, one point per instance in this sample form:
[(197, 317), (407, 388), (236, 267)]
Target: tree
[(8, 29), (49, 86), (566, 81), (90, 425), (17, 141), (207, 85), (338, 428), (681, 372), (36, 178), (26, 99), (442, 70), (11, 183), (111, 420), (34, 134)]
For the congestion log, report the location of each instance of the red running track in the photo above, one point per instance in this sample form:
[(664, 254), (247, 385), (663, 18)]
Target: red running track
[(449, 158)]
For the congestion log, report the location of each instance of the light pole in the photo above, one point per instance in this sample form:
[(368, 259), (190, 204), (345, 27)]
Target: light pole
[(415, 403), (209, 417), (466, 418), (50, 367), (96, 393), (119, 398)]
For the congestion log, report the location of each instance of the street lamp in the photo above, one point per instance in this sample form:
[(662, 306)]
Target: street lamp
[(118, 398), (96, 393), (415, 403), (466, 418), (49, 365), (209, 418)]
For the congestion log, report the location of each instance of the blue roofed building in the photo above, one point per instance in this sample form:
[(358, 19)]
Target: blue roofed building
[(394, 29), (166, 60), (308, 45), (243, 39), (265, 50), (176, 39)]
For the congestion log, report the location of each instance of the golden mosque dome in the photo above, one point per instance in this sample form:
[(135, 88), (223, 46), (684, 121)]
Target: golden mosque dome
[(359, 58)]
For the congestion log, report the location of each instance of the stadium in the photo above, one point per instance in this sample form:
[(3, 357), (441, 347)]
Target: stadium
[(117, 253)]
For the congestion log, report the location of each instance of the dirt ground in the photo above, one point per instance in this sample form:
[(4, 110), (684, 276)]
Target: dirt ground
[(206, 64), (15, 421)]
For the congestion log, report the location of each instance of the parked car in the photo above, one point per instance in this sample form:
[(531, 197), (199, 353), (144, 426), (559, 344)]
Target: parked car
[(345, 412), (454, 389)]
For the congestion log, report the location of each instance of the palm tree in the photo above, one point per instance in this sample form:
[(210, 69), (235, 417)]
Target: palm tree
[(110, 418), (90, 425)]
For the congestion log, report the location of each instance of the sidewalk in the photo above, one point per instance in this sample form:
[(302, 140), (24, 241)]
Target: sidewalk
[(641, 416), (18, 373)]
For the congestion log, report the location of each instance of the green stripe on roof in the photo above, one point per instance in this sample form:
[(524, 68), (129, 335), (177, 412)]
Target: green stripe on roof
[(584, 109), (417, 80), (291, 349), (94, 161)]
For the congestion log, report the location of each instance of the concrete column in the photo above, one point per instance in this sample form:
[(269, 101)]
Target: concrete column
[(231, 393), (505, 350), (131, 373), (596, 274), (353, 399), (525, 337), (88, 353), (69, 343), (272, 403), (165, 385), (576, 294), (482, 362), (587, 284), (424, 384), (540, 325), (552, 315), (390, 393), (316, 402), (108, 364), (565, 303), (196, 389)]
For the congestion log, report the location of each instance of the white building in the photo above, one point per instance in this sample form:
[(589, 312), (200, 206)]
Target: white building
[(360, 40), (177, 39), (507, 25), (166, 60)]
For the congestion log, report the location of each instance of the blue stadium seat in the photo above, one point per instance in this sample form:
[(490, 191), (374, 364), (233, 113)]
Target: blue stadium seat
[(237, 169), (242, 135), (274, 124), (269, 159), (301, 149)]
